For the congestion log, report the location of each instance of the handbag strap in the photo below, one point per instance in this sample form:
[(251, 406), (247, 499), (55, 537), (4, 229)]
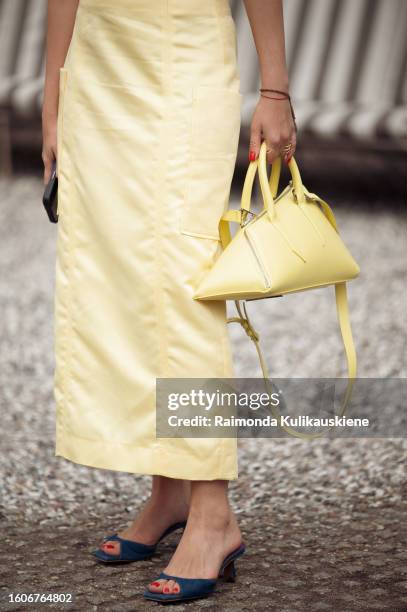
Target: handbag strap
[(347, 339)]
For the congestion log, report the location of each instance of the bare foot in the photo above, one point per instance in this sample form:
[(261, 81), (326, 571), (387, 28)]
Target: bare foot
[(212, 532), (168, 504)]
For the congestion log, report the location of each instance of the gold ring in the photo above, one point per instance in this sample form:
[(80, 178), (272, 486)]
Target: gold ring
[(288, 148)]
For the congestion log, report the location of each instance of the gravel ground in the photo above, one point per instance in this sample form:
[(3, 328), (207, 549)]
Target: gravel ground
[(323, 521)]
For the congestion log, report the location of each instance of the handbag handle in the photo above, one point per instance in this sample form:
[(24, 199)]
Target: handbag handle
[(273, 182), (269, 186)]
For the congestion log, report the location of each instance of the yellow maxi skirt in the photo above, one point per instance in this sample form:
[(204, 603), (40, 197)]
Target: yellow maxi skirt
[(148, 129)]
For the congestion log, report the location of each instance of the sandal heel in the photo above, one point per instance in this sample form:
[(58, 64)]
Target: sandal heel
[(229, 572)]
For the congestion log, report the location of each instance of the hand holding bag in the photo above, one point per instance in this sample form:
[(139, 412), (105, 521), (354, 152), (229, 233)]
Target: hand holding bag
[(292, 245)]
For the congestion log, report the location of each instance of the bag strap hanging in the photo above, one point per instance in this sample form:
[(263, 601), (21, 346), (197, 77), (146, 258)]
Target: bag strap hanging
[(346, 333)]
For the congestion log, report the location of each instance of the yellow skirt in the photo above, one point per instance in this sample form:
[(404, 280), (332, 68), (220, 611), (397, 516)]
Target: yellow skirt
[(148, 129)]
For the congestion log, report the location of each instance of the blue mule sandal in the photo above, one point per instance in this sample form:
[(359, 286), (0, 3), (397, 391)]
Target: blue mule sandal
[(130, 550), (196, 588)]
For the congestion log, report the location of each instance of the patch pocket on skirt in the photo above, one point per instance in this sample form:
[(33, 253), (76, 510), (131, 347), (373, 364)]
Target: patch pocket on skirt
[(206, 196), (213, 140), (215, 122), (63, 80)]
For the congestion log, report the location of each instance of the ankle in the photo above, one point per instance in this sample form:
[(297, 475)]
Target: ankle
[(169, 504), (219, 517)]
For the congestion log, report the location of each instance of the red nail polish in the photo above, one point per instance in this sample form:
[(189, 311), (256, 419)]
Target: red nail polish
[(109, 545), (252, 155), (166, 590), (157, 584)]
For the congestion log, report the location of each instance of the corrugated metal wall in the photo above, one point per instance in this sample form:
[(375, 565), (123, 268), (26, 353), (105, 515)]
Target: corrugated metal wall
[(347, 62)]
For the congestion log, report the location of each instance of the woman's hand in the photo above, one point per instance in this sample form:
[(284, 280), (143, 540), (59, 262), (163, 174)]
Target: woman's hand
[(49, 143), (273, 122)]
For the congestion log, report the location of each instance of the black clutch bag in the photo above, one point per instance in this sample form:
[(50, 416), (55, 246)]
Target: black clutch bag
[(50, 197)]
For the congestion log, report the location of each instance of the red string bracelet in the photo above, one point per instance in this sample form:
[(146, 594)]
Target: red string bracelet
[(286, 96)]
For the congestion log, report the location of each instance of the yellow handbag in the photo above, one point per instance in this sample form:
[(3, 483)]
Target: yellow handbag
[(292, 245)]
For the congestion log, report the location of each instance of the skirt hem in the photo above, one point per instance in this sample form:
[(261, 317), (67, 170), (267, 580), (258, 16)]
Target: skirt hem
[(149, 462)]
